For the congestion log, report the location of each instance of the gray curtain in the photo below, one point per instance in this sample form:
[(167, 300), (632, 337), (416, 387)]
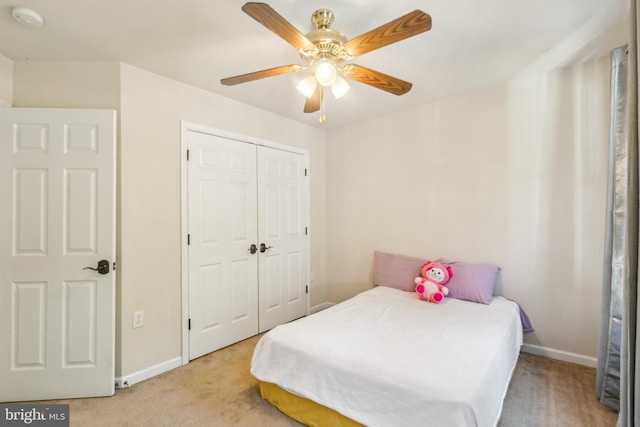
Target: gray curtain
[(608, 374), (620, 302), (629, 374)]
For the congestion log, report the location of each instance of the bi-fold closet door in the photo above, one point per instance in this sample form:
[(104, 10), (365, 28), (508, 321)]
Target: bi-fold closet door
[(247, 231)]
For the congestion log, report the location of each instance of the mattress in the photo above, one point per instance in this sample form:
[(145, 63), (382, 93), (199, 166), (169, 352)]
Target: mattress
[(385, 358)]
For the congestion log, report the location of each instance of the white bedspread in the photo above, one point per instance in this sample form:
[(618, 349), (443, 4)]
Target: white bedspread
[(385, 358)]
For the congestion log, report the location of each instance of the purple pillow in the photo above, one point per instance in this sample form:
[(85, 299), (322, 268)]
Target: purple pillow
[(471, 282), (396, 271)]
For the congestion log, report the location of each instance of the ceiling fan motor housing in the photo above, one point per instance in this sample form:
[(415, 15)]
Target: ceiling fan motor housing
[(322, 18), (328, 42)]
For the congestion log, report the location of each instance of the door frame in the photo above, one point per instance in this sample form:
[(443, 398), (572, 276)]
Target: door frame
[(185, 127)]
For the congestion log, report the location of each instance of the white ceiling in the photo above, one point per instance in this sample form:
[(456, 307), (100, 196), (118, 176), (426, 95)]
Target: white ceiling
[(472, 44)]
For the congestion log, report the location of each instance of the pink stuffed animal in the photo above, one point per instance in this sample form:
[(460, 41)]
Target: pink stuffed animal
[(430, 287)]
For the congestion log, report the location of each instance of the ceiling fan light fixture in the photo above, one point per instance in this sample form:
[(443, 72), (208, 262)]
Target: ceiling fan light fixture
[(326, 74), (340, 87), (307, 86)]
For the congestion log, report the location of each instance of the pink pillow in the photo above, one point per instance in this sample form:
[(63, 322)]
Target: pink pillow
[(471, 282), (396, 271)]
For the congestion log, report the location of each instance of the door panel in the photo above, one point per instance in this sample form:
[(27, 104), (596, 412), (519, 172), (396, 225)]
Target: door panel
[(80, 211), (283, 211), (223, 302), (29, 302), (57, 216), (270, 289), (80, 320), (29, 219)]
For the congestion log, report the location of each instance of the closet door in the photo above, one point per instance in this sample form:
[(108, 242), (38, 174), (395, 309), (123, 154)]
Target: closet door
[(223, 299), (282, 227)]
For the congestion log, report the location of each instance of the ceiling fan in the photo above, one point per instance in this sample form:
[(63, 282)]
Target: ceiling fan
[(323, 51)]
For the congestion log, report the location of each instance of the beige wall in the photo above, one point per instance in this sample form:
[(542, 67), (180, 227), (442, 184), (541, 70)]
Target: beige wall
[(66, 84), (6, 81), (513, 175), (152, 107)]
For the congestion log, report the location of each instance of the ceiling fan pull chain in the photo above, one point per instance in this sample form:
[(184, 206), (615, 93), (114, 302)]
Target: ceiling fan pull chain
[(322, 118)]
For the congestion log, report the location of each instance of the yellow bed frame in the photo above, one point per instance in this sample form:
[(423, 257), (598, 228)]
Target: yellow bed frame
[(303, 410)]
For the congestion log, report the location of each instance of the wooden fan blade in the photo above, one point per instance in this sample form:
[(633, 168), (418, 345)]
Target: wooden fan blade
[(243, 78), (313, 104), (267, 16), (376, 79), (406, 26)]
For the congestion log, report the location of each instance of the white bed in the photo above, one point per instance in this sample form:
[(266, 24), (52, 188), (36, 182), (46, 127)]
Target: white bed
[(386, 358)]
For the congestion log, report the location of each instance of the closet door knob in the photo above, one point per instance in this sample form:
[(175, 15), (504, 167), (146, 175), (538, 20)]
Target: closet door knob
[(253, 249), (264, 247)]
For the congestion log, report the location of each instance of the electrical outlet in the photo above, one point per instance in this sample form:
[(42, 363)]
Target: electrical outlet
[(138, 319)]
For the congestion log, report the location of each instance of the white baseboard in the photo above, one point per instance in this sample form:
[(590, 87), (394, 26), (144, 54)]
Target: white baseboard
[(136, 377), (320, 307), (564, 356), (129, 380)]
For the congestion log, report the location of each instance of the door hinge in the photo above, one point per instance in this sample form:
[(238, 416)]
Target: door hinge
[(306, 231), (306, 289), (187, 155), (305, 171), (189, 324), (188, 239)]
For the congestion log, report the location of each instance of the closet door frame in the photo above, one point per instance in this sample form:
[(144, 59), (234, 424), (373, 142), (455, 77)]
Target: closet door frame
[(185, 127)]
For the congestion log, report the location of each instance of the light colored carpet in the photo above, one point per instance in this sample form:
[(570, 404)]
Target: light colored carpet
[(218, 390), (549, 393)]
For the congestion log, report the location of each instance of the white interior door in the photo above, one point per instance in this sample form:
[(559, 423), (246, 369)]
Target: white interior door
[(57, 216), (282, 224), (223, 300)]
